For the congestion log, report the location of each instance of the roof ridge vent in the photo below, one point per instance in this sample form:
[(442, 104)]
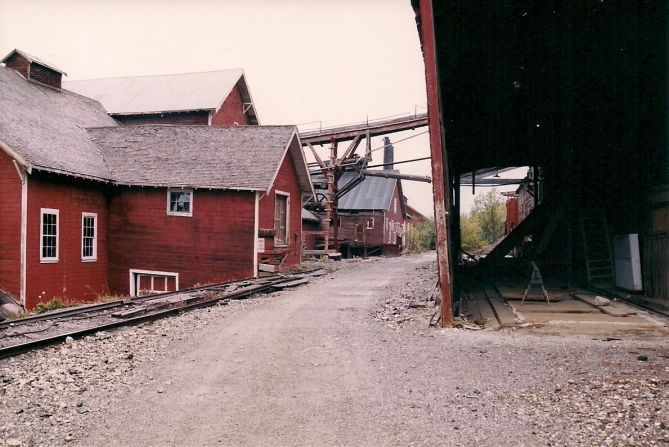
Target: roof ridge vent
[(34, 69)]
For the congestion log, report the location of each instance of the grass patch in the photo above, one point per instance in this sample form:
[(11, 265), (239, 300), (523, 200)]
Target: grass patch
[(52, 304)]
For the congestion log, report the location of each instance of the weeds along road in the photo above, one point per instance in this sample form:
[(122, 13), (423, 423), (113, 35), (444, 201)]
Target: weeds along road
[(330, 363)]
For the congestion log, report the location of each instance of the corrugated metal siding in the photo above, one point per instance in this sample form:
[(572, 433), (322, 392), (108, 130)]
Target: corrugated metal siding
[(373, 193), (163, 93)]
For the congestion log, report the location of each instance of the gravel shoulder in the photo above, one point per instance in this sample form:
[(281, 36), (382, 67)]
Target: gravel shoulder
[(344, 360)]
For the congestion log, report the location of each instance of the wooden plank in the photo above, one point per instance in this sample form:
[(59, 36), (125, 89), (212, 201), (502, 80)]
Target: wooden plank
[(375, 128), (294, 283), (613, 308)]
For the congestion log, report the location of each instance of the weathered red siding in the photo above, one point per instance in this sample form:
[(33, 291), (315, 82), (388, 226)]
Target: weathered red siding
[(512, 217), (185, 118), (70, 278), (232, 110), (394, 220), (348, 232), (18, 63), (214, 245), (286, 181), (10, 227), (388, 228)]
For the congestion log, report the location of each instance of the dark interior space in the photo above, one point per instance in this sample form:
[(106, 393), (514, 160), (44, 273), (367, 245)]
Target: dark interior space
[(578, 91)]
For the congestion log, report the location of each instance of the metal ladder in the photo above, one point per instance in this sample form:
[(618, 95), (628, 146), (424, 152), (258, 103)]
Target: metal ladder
[(596, 246)]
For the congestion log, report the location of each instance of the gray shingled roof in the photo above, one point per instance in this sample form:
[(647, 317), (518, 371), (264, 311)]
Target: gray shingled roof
[(160, 93), (373, 193), (232, 157), (47, 127)]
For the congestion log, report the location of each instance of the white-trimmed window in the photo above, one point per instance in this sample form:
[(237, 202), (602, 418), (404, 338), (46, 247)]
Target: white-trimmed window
[(48, 247), (370, 224), (180, 202), (281, 218), (89, 236), (147, 282)]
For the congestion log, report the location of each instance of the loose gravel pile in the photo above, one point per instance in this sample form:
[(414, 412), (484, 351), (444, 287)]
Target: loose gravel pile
[(569, 390), (413, 303)]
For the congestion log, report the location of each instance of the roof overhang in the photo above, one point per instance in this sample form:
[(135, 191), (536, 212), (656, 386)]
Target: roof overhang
[(294, 147), (31, 59), (16, 156)]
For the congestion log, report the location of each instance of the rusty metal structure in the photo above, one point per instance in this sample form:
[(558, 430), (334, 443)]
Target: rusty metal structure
[(332, 167)]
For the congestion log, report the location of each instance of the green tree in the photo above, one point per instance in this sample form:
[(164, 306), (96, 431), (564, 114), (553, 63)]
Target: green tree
[(490, 213), (421, 237), (485, 224), (470, 233)]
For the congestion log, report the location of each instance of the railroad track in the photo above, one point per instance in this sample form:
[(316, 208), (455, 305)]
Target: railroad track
[(25, 334)]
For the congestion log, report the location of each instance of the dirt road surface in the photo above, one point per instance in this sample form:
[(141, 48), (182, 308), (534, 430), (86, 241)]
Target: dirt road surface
[(348, 359), (315, 367)]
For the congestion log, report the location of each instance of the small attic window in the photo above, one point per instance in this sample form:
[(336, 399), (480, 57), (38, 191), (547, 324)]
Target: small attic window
[(34, 69), (45, 76)]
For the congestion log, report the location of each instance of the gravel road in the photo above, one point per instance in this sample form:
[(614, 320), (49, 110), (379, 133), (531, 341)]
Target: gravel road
[(347, 360)]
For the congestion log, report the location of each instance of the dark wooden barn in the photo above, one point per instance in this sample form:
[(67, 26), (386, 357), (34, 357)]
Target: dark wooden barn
[(577, 90)]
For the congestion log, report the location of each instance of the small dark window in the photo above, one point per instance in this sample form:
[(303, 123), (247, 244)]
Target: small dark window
[(370, 224)]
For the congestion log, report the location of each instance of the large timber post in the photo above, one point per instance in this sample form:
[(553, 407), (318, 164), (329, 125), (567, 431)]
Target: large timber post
[(440, 175)]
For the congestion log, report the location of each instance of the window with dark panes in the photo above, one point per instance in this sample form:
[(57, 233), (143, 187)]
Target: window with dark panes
[(49, 235), (88, 236), (180, 202), (280, 219)]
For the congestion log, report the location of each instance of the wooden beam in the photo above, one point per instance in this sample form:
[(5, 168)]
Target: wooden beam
[(352, 147), (440, 173), (316, 156), (346, 133), (388, 174)]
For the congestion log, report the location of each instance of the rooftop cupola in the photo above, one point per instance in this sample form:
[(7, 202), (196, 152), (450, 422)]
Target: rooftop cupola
[(34, 69)]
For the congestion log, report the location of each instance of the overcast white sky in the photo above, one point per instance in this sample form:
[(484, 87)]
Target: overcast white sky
[(331, 61)]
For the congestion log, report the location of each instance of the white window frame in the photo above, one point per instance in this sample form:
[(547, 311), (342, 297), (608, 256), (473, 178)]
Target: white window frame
[(43, 211), (133, 284), (287, 196), (367, 223), (177, 213), (94, 256)]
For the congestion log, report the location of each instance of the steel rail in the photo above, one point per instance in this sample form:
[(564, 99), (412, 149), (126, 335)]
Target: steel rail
[(13, 350), (79, 310)]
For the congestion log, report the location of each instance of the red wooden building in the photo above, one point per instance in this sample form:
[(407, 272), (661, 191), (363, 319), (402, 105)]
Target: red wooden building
[(371, 217), (91, 207)]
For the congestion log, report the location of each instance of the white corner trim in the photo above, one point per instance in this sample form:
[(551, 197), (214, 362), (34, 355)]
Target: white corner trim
[(24, 238), (256, 227)]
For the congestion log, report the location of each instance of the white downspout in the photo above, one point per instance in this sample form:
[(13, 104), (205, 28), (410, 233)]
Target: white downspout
[(23, 176), (256, 226)]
